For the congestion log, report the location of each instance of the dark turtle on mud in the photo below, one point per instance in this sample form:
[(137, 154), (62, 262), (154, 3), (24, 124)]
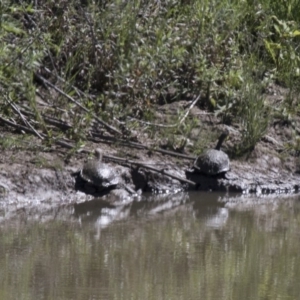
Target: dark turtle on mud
[(100, 175), (213, 161)]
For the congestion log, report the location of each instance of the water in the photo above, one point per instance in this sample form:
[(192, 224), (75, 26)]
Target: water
[(176, 247)]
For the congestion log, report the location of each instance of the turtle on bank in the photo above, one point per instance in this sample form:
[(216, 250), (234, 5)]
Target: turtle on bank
[(100, 175), (213, 161)]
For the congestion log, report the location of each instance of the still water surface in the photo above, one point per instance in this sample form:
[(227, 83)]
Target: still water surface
[(175, 247)]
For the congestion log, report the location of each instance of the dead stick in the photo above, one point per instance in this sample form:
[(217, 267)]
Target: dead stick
[(189, 109), (77, 90), (17, 110), (29, 130), (145, 166), (50, 120), (18, 126), (110, 139), (111, 128), (114, 158)]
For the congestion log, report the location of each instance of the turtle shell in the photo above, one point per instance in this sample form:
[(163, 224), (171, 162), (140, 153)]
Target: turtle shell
[(99, 174), (212, 162)]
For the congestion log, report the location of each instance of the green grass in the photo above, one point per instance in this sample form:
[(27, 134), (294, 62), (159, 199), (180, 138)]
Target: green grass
[(120, 60)]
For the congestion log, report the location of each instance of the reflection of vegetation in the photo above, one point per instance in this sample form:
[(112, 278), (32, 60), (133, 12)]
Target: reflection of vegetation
[(171, 256)]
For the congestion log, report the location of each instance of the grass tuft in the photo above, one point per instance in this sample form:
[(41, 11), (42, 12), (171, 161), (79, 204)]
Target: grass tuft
[(121, 60)]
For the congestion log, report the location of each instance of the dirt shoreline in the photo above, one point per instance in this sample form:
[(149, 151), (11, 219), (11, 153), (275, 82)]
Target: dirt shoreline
[(37, 175), (27, 183)]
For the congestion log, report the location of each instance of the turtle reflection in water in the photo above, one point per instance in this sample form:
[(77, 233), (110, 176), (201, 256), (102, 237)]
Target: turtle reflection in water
[(99, 176), (213, 161)]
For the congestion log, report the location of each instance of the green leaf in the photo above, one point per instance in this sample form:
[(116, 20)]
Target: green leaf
[(12, 29), (271, 47), (296, 33)]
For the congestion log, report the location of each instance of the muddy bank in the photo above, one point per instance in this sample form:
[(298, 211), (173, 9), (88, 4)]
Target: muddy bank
[(44, 192), (27, 183), (35, 176)]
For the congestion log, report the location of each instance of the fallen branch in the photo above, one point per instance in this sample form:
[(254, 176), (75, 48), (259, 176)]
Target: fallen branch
[(126, 142), (109, 157), (29, 130), (189, 109), (77, 90), (110, 140), (50, 120), (18, 126), (145, 166), (17, 110), (107, 126)]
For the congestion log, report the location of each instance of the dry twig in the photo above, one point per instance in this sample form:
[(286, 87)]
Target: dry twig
[(107, 126), (17, 110), (68, 145)]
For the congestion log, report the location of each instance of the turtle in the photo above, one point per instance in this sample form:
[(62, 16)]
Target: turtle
[(213, 161), (100, 175)]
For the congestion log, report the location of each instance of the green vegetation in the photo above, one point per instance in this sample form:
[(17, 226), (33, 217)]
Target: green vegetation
[(70, 70)]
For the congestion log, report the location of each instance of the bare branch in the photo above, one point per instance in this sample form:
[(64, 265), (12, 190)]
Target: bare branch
[(17, 110), (189, 109), (145, 166), (107, 126)]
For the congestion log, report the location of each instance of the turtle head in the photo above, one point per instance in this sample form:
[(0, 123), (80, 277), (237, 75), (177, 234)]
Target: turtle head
[(224, 135), (99, 154)]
